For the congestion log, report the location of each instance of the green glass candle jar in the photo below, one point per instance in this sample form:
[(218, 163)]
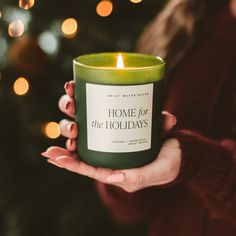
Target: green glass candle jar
[(118, 108)]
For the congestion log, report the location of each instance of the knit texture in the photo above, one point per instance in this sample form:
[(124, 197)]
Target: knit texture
[(209, 168), (201, 93)]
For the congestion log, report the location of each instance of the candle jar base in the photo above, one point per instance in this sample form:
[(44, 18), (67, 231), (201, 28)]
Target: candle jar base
[(118, 160)]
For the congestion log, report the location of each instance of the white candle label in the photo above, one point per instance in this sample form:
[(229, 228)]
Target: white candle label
[(119, 118)]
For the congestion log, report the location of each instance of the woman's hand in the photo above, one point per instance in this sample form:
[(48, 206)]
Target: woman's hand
[(164, 169)]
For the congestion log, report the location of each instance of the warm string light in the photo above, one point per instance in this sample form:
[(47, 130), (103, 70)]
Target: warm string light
[(16, 28), (26, 4), (48, 42), (136, 1), (21, 86), (51, 130), (69, 27), (104, 8)]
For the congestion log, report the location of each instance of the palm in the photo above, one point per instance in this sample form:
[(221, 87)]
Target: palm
[(162, 170)]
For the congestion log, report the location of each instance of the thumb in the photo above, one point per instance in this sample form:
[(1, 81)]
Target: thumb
[(169, 121)]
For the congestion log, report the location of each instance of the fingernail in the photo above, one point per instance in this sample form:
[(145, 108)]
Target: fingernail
[(166, 113), (54, 163), (116, 178), (174, 120), (66, 85), (70, 142), (45, 154), (67, 105), (69, 127)]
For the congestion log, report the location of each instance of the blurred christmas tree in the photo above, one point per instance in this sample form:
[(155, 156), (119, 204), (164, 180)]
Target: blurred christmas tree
[(38, 40)]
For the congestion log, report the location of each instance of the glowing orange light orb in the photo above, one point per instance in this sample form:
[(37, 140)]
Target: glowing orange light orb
[(26, 4), (52, 130), (104, 8), (21, 86), (136, 1), (16, 28), (69, 27)]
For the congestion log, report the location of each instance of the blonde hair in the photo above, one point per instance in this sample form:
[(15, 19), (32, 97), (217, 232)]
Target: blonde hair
[(176, 28)]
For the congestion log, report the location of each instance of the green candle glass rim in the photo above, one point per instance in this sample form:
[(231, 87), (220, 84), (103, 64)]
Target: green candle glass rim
[(101, 68), (148, 61)]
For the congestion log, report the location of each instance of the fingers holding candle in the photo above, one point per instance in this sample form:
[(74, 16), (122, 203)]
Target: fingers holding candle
[(67, 105), (64, 159), (69, 88), (75, 165), (54, 151), (69, 129), (71, 144), (169, 121)]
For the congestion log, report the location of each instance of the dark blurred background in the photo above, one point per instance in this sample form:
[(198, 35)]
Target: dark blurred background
[(38, 40)]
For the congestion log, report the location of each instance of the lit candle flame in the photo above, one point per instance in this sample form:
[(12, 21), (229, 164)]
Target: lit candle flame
[(120, 61)]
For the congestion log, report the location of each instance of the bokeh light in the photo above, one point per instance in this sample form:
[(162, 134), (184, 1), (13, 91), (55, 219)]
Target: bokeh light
[(55, 28), (21, 86), (26, 4), (3, 47), (51, 130), (10, 14), (16, 28), (48, 42), (104, 8), (3, 52), (69, 27), (136, 1)]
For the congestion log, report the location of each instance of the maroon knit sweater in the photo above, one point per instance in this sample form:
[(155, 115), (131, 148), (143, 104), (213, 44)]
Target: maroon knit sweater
[(202, 94)]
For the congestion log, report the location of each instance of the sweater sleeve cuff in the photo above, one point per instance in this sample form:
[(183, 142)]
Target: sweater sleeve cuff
[(206, 165)]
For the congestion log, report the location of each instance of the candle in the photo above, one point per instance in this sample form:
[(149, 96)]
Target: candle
[(118, 108)]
